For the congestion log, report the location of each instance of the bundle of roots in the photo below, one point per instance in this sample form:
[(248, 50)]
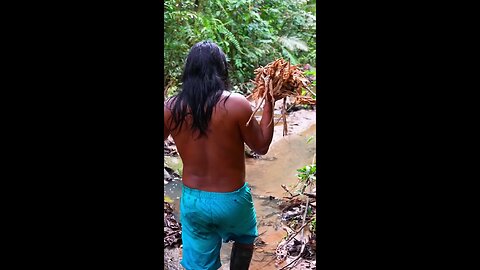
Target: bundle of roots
[(280, 79)]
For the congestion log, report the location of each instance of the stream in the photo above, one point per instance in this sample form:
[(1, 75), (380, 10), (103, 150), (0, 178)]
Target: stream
[(265, 176)]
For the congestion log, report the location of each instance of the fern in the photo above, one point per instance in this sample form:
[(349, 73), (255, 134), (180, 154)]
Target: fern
[(290, 56), (230, 37), (252, 33)]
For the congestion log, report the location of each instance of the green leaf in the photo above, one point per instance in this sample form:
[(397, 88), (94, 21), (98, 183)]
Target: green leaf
[(290, 56)]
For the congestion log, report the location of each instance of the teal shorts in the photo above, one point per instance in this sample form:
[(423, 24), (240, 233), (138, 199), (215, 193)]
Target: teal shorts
[(207, 218)]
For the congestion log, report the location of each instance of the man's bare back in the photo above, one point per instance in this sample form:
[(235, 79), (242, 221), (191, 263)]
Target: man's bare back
[(216, 162)]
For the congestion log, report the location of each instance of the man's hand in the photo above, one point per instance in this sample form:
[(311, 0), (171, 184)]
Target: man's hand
[(276, 97)]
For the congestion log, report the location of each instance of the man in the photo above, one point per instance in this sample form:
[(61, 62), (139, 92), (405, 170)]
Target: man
[(208, 125)]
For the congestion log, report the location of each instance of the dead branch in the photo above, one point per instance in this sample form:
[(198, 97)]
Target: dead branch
[(285, 188)]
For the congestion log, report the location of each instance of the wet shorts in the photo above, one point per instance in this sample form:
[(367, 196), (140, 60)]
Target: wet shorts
[(207, 218)]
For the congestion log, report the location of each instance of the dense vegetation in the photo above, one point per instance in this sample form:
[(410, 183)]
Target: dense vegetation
[(251, 32)]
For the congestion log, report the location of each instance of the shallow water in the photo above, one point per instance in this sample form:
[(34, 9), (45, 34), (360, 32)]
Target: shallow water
[(279, 166)]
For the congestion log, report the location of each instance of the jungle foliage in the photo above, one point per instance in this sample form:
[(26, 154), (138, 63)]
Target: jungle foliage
[(252, 33)]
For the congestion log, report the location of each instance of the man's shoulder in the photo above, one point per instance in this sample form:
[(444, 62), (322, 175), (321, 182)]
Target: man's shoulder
[(238, 106), (237, 99)]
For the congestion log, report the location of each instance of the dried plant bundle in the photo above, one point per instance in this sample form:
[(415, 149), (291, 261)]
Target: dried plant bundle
[(279, 79)]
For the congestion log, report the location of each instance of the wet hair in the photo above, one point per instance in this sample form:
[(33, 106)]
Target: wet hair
[(204, 79)]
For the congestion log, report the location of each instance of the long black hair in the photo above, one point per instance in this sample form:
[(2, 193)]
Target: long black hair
[(204, 79)]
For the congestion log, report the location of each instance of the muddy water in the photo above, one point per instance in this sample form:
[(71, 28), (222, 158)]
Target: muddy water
[(280, 164), (265, 177)]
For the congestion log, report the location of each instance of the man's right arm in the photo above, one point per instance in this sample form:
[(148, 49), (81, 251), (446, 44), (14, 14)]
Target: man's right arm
[(257, 136)]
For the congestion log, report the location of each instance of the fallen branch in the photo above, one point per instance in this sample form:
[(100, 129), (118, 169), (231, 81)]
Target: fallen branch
[(293, 203), (302, 237), (304, 216), (285, 188), (296, 258), (293, 236), (311, 195), (291, 197)]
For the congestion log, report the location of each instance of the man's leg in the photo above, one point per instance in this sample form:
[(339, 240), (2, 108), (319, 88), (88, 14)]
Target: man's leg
[(201, 243), (241, 256)]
